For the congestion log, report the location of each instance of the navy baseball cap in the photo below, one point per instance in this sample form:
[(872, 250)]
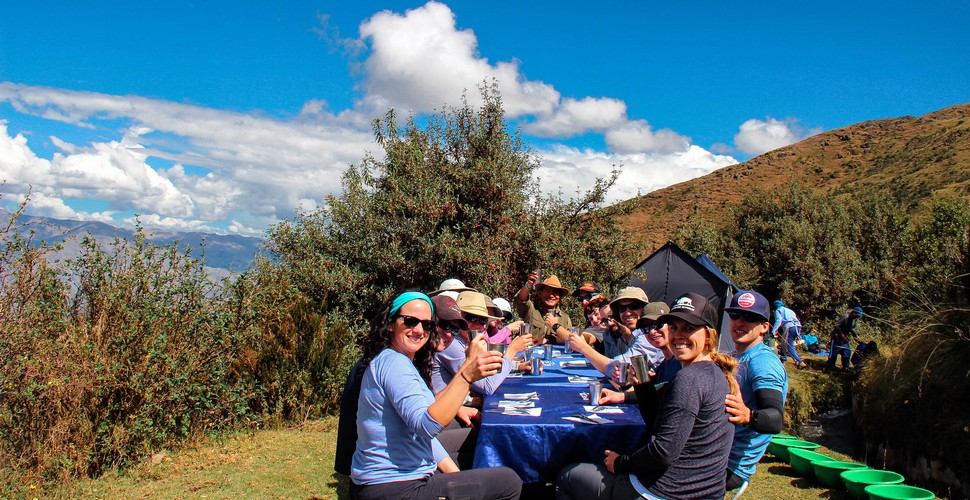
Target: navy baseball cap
[(752, 302), (692, 308)]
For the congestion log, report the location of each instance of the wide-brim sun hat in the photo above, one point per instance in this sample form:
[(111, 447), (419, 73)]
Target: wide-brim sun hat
[(451, 285), (655, 310), (553, 282), (474, 303), (631, 292)]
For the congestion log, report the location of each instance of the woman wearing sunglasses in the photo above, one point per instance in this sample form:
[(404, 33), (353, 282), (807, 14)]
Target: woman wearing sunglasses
[(686, 456), (758, 412), (398, 417)]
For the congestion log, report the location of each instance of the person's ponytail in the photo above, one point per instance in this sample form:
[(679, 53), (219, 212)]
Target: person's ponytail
[(726, 363)]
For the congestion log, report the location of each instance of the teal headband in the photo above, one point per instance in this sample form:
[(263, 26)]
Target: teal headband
[(406, 297)]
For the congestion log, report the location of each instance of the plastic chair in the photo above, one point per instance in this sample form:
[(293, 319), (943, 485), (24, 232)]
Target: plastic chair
[(740, 491)]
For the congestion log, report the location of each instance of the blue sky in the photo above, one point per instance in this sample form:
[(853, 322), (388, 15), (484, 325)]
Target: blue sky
[(229, 116)]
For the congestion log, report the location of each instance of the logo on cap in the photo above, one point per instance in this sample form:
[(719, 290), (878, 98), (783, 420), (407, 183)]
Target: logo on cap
[(746, 300), (683, 303)]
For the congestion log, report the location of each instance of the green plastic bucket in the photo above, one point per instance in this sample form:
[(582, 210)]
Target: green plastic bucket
[(801, 461), (857, 480), (781, 446), (898, 492), (828, 472)]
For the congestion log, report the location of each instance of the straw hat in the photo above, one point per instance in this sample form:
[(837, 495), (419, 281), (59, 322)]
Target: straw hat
[(631, 292), (553, 282), (474, 303)]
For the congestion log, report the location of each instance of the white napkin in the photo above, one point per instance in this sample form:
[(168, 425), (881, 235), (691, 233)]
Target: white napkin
[(588, 419), (581, 379), (525, 412), (516, 404), (575, 363), (522, 396), (603, 409)]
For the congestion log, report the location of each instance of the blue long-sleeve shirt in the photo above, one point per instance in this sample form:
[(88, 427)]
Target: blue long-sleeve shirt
[(640, 345), (783, 317), (395, 433), (449, 361)]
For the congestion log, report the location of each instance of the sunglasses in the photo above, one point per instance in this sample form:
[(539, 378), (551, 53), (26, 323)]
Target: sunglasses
[(622, 308), (478, 320), (587, 296), (654, 326), (749, 317), (449, 327), (412, 322)]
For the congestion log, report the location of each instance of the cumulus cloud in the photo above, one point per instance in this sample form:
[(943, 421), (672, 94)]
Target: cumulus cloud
[(190, 167), (573, 170), (255, 165), (760, 136)]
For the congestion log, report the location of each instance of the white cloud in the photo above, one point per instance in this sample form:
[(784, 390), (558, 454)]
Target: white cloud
[(255, 165), (638, 137), (576, 116), (189, 167), (759, 136), (420, 60), (573, 170)]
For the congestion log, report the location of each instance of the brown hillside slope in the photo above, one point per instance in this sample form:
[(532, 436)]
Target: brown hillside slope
[(916, 157)]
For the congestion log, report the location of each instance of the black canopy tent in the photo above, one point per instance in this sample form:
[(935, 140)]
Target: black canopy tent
[(670, 272)]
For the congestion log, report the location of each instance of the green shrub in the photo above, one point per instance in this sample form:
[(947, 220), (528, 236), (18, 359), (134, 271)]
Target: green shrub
[(109, 357)]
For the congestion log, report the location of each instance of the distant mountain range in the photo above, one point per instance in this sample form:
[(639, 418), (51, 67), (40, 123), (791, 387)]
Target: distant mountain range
[(225, 254), (915, 157)]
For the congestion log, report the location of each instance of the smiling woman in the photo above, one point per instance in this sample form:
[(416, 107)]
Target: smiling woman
[(688, 454), (397, 452)]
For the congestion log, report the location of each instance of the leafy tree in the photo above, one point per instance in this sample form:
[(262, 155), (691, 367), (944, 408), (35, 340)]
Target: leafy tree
[(454, 198)]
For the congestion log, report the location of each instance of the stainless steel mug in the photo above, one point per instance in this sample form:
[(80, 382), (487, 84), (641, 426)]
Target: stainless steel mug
[(641, 368), (536, 365), (595, 388), (623, 367)]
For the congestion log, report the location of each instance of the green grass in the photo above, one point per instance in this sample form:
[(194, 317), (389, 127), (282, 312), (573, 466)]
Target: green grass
[(298, 463), (288, 463)]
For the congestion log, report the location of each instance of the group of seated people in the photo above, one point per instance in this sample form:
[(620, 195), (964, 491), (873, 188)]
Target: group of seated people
[(410, 405)]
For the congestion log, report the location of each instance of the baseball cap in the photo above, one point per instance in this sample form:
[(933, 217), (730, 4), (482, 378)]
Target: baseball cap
[(692, 308), (752, 302), (446, 309)]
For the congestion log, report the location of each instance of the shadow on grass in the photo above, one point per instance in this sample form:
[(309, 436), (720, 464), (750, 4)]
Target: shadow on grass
[(341, 484)]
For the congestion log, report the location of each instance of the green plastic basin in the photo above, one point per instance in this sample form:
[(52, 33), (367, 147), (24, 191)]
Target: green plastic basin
[(801, 460), (857, 480), (828, 472), (780, 448), (898, 492)]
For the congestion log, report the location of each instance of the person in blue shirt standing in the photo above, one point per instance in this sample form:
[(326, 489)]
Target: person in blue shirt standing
[(845, 329), (397, 454), (759, 411), (789, 328)]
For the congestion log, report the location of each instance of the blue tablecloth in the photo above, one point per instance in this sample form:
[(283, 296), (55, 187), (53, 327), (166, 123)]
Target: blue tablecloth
[(537, 448)]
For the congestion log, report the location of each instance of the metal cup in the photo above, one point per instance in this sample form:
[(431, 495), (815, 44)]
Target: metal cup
[(536, 365), (568, 348), (595, 388), (473, 334), (493, 346), (547, 355), (527, 354), (526, 329), (640, 367), (622, 376)]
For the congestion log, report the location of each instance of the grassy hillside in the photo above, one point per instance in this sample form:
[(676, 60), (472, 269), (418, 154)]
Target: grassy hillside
[(916, 157)]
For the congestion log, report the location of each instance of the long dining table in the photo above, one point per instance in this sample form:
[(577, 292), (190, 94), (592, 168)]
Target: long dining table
[(538, 447)]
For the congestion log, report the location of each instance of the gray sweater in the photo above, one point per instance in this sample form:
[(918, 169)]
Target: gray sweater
[(688, 453)]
